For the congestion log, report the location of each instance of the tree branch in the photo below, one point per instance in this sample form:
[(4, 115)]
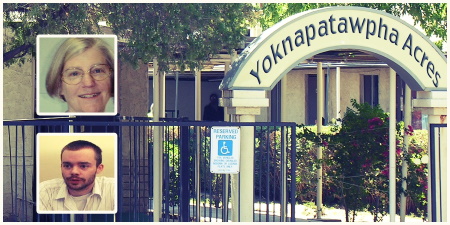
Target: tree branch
[(13, 53)]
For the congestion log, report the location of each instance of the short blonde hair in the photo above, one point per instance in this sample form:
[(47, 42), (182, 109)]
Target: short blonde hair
[(69, 49)]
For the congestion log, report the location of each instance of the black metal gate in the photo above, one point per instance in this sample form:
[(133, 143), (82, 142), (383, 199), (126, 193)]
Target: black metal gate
[(184, 161)]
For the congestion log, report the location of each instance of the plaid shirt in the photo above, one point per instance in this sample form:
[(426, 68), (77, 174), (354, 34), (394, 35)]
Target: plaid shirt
[(54, 197)]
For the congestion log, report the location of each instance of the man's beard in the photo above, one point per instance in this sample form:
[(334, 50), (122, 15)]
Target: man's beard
[(83, 184)]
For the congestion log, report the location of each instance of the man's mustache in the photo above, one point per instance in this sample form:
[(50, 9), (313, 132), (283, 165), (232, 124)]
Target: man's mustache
[(74, 178)]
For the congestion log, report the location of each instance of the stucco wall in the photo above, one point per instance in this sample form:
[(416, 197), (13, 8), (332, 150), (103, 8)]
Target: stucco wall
[(264, 115), (18, 103), (384, 93), (293, 99), (294, 103), (18, 91)]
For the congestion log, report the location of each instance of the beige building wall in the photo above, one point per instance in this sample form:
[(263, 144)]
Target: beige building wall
[(294, 95), (18, 91), (18, 103), (264, 115)]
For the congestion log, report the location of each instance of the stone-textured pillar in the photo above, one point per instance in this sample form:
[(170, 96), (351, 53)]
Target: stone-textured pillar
[(132, 90), (244, 106)]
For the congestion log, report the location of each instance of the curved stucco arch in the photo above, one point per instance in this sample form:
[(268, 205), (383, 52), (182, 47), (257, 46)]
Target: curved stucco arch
[(280, 48)]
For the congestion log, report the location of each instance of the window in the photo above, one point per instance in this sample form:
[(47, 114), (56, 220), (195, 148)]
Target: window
[(370, 89), (311, 100), (275, 102)]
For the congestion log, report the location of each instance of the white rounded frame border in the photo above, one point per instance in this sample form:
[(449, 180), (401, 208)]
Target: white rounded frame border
[(60, 140), (42, 96)]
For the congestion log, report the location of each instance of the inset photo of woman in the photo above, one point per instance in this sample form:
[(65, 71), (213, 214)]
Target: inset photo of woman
[(76, 75)]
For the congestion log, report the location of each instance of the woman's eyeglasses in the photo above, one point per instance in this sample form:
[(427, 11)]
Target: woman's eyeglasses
[(98, 72)]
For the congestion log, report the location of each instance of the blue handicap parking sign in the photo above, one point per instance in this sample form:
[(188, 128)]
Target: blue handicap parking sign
[(225, 147)]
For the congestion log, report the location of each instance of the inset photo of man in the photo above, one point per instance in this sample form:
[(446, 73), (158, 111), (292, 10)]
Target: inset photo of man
[(76, 173)]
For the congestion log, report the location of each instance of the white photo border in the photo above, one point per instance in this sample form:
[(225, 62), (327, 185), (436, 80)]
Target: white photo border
[(41, 77), (73, 137)]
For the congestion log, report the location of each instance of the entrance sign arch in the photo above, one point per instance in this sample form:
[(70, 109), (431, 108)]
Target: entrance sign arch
[(265, 61), (280, 48)]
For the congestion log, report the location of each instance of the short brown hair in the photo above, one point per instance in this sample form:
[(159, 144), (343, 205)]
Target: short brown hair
[(69, 49), (80, 144)]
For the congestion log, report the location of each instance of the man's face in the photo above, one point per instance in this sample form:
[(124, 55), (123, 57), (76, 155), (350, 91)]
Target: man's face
[(79, 169)]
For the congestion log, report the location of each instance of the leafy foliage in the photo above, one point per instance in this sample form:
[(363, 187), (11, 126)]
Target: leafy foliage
[(26, 21), (307, 165), (361, 153), (356, 162), (179, 34), (432, 17), (416, 157)]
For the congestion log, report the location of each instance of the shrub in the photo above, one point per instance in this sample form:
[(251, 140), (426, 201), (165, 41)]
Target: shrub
[(356, 162)]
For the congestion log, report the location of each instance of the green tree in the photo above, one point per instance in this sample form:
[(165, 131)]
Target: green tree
[(25, 21), (181, 34), (432, 17)]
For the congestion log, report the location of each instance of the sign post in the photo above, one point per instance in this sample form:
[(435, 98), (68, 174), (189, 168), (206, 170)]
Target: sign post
[(225, 150)]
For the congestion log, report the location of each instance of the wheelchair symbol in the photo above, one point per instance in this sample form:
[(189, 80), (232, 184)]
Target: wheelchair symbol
[(226, 148)]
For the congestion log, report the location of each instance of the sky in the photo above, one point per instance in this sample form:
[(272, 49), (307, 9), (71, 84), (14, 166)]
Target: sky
[(433, 38)]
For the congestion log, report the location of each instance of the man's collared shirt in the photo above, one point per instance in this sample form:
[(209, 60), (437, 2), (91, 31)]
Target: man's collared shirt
[(54, 196)]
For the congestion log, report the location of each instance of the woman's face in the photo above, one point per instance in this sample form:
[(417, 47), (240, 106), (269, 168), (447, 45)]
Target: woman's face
[(89, 95)]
